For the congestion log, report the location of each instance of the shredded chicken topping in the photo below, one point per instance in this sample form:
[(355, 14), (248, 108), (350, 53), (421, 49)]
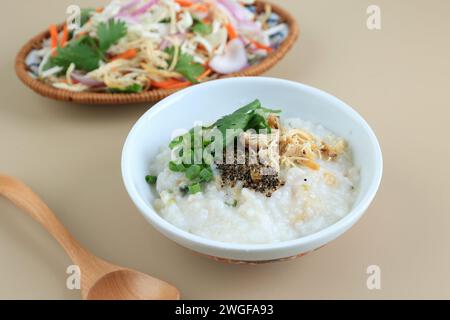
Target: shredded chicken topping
[(290, 147)]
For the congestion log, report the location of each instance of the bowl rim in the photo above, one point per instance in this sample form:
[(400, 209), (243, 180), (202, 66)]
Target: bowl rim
[(333, 230)]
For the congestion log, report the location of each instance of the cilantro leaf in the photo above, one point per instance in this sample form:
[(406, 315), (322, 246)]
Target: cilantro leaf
[(202, 28), (86, 14), (252, 106), (78, 52), (86, 52), (251, 116), (188, 68), (110, 33), (234, 124), (186, 65)]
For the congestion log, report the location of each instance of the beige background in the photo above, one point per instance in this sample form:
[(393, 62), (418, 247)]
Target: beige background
[(397, 78)]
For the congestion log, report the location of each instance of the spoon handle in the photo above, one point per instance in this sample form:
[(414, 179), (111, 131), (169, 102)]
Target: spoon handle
[(24, 198)]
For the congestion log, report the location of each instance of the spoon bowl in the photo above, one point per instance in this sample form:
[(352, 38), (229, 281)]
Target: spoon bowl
[(128, 284)]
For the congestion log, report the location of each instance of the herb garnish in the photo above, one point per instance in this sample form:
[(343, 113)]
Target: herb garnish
[(252, 116), (186, 65), (202, 28), (86, 52), (151, 179), (193, 164)]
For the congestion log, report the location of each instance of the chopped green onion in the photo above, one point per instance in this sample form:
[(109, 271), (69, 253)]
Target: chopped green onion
[(151, 179), (193, 171), (233, 203), (188, 157), (176, 167), (195, 188), (206, 174), (175, 142)]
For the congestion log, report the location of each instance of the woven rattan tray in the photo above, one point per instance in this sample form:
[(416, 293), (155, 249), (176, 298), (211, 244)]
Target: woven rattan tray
[(153, 95)]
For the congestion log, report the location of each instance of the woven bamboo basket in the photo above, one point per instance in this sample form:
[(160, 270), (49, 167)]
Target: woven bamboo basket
[(153, 95)]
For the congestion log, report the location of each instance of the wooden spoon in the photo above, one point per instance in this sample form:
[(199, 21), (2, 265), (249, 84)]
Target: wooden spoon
[(99, 279)]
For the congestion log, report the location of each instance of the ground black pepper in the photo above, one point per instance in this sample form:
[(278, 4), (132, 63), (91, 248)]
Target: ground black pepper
[(255, 176)]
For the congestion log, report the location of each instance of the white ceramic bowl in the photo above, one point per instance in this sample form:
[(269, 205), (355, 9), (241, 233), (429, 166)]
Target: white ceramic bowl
[(209, 101)]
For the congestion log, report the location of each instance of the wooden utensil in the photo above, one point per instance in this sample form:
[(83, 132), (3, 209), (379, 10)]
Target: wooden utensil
[(100, 280)]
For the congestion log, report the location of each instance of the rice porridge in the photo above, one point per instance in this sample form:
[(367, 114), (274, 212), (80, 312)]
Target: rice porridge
[(314, 185)]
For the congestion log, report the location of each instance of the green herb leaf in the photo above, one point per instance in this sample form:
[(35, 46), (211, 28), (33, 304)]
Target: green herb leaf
[(86, 14), (252, 106), (133, 88), (186, 65), (86, 52), (251, 116), (151, 179), (230, 126), (238, 119), (110, 33), (78, 52), (202, 28), (257, 122), (188, 68)]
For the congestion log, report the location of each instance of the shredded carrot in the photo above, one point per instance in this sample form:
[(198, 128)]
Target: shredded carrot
[(65, 36), (54, 37), (259, 45), (180, 85), (232, 34), (166, 83), (184, 3), (171, 84), (201, 8), (201, 47), (204, 74), (99, 10), (127, 55)]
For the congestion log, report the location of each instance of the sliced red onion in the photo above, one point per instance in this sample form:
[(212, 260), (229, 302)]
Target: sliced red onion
[(234, 58), (164, 44), (239, 17), (129, 6), (128, 19), (178, 38), (144, 8), (86, 81), (250, 26), (238, 11)]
